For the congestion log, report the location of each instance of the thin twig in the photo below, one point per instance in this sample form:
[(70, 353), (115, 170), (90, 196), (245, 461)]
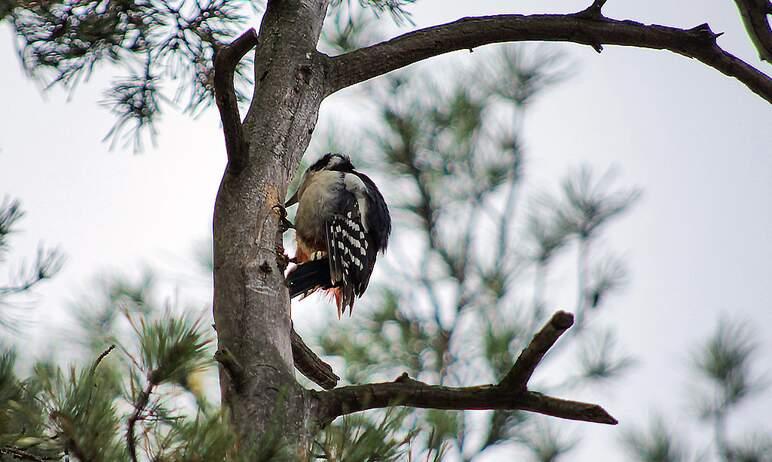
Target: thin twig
[(101, 357), (582, 280), (139, 407), (21, 454)]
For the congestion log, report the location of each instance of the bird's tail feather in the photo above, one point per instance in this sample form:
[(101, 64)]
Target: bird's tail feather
[(309, 276)]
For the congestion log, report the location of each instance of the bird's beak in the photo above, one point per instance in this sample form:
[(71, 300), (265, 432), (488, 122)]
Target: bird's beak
[(292, 200)]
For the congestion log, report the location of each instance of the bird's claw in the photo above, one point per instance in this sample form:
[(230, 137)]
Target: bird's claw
[(284, 223), (282, 260)]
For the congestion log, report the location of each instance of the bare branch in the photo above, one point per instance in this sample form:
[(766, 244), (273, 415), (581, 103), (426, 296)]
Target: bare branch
[(347, 400), (754, 14), (310, 365), (409, 392), (225, 63), (520, 374), (587, 27)]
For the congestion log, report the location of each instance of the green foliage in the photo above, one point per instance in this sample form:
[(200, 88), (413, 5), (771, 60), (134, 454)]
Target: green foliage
[(152, 43), (26, 277), (657, 444), (81, 410), (503, 426), (375, 346), (19, 411), (757, 448), (171, 349), (529, 73), (63, 42), (356, 438), (545, 235), (84, 411), (99, 319), (395, 8), (10, 213), (724, 366), (545, 442), (587, 204), (207, 436), (725, 363), (597, 359), (348, 28)]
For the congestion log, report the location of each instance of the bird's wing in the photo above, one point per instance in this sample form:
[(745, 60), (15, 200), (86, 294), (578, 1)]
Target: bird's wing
[(347, 250)]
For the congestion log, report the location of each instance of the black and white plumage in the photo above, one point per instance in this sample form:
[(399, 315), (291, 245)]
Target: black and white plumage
[(341, 224)]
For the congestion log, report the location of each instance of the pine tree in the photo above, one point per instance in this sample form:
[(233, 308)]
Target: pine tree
[(63, 42)]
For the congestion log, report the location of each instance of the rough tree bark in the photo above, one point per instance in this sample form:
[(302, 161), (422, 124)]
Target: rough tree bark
[(251, 305)]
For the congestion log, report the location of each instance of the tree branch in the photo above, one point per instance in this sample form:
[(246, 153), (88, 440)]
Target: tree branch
[(311, 365), (754, 14), (232, 366), (520, 374), (408, 392), (594, 10), (139, 406), (21, 454), (588, 27), (225, 63)]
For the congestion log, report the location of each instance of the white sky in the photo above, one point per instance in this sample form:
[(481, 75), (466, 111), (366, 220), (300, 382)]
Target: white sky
[(699, 243)]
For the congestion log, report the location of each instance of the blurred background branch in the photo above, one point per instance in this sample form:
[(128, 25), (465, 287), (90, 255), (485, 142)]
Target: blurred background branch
[(23, 279)]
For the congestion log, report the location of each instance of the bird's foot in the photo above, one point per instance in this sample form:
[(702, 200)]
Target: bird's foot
[(284, 223), (282, 260)]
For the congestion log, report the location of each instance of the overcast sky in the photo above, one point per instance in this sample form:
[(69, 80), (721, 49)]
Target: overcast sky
[(699, 144)]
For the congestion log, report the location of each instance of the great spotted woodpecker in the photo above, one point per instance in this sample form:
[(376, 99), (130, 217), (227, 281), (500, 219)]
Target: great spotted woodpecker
[(341, 224)]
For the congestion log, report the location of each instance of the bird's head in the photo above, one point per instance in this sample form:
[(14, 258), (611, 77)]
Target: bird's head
[(336, 162)]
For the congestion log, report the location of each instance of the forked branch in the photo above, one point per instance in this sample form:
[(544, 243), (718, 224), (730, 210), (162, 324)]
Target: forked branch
[(511, 393), (587, 27), (531, 356), (225, 63)]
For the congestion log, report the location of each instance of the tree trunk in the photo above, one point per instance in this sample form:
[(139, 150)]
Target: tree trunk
[(251, 304)]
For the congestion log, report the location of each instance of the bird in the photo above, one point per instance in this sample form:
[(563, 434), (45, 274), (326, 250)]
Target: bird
[(341, 224)]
